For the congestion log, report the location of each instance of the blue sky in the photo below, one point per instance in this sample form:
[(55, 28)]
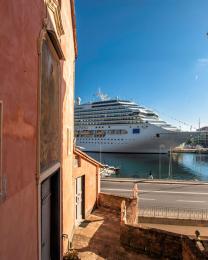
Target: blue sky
[(154, 52)]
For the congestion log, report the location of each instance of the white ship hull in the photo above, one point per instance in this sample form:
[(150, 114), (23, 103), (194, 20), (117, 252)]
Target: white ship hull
[(150, 139)]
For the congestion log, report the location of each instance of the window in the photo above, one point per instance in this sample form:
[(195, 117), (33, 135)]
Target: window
[(49, 105), (136, 130), (117, 132), (77, 161)]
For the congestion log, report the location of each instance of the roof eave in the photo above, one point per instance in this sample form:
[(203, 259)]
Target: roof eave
[(87, 157), (74, 28)]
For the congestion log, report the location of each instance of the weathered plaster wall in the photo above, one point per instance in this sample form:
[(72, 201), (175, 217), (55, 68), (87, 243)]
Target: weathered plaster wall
[(89, 170), (19, 73), (67, 104), (20, 27), (18, 225)]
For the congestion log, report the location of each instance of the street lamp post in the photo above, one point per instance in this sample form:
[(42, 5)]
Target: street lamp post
[(100, 150), (160, 162), (160, 166)]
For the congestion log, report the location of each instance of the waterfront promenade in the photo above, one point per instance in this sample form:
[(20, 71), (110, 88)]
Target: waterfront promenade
[(164, 193)]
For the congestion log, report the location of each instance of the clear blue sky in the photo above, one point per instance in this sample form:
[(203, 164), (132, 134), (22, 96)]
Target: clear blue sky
[(154, 52)]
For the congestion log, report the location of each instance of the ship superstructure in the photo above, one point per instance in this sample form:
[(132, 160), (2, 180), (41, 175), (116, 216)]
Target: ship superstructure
[(116, 125)]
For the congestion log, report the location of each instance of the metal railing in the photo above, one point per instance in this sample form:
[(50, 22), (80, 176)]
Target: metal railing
[(176, 213)]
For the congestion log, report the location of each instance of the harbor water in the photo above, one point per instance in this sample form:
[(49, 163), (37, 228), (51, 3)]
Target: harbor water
[(178, 166)]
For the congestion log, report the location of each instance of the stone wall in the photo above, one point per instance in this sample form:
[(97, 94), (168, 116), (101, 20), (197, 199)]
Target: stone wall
[(190, 250), (114, 202), (159, 243), (152, 242)]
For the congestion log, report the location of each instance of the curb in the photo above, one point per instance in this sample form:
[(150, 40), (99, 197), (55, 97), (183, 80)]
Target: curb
[(154, 181)]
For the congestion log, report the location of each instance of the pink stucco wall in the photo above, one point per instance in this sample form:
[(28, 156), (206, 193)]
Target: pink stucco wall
[(21, 25), (19, 31), (92, 184), (67, 103)]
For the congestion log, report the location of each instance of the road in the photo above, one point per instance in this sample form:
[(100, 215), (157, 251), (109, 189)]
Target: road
[(154, 194)]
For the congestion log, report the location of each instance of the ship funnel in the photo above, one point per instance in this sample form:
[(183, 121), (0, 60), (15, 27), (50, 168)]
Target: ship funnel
[(78, 101)]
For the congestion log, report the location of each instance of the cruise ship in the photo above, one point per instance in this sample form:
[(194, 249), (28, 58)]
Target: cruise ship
[(122, 126)]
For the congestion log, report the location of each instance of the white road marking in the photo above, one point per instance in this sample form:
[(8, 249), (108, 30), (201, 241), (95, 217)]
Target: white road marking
[(196, 201), (146, 199), (158, 191), (115, 189)]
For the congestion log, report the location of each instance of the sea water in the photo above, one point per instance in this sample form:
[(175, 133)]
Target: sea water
[(181, 166)]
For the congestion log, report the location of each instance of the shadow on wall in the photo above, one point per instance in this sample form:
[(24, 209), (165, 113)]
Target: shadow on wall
[(108, 234), (100, 233), (101, 237), (160, 243)]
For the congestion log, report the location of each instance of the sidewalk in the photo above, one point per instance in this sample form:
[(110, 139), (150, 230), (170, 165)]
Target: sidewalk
[(184, 230), (98, 238)]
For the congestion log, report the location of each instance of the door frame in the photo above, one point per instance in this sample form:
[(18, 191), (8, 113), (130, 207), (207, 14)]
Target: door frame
[(83, 198), (55, 169), (43, 175)]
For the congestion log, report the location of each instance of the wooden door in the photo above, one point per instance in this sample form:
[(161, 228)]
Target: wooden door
[(46, 220), (79, 200), (50, 218)]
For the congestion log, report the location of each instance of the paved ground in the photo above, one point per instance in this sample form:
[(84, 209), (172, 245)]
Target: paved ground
[(167, 194), (98, 238)]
